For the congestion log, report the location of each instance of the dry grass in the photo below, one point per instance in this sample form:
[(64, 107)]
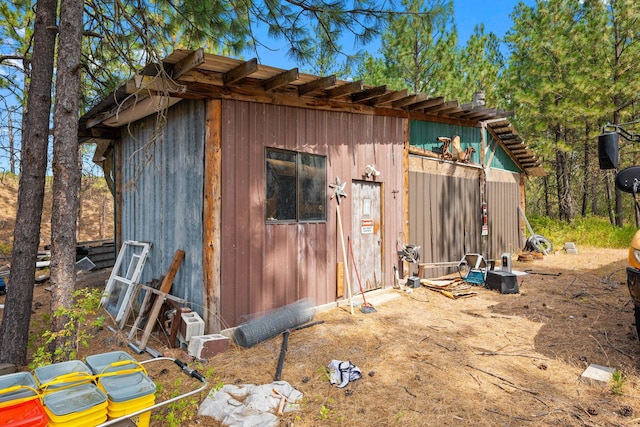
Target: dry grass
[(489, 360), (428, 360)]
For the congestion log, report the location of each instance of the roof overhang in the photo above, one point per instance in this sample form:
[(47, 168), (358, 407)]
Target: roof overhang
[(503, 131), (193, 74)]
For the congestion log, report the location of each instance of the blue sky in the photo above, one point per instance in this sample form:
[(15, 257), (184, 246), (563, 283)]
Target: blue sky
[(468, 13), (494, 14)]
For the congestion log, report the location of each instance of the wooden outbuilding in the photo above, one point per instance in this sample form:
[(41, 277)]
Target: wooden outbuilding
[(242, 167)]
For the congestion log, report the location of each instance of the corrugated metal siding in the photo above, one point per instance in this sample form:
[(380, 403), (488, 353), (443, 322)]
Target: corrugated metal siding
[(503, 199), (444, 211), (162, 195), (425, 135), (270, 265)]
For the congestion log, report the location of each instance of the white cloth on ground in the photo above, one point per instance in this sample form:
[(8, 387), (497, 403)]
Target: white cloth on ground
[(341, 372), (248, 405)]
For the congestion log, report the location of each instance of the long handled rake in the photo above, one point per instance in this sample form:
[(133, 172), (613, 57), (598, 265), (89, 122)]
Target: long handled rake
[(365, 307)]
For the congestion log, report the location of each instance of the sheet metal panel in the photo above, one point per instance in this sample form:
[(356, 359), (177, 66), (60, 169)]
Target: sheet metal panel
[(162, 194), (497, 158), (503, 199), (444, 212), (266, 265)]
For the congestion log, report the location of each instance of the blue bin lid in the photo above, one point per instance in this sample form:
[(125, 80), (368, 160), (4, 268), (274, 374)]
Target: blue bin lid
[(74, 399), (48, 373), (99, 363), (125, 387), (17, 379)]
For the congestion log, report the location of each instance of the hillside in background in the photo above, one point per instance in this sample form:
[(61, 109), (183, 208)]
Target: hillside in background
[(96, 211)]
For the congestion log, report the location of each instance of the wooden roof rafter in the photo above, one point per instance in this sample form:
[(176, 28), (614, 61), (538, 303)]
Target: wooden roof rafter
[(281, 79), (431, 102), (188, 63), (451, 110), (344, 90), (152, 81), (411, 99), (389, 98), (239, 72), (475, 112), (504, 129), (317, 84), (482, 114), (367, 94), (441, 107)]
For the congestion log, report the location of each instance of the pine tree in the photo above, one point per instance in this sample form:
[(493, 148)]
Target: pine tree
[(14, 330), (66, 168), (419, 49), (550, 88), (479, 67)]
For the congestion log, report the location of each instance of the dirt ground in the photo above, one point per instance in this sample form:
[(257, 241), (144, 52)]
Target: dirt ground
[(429, 360), (426, 360)]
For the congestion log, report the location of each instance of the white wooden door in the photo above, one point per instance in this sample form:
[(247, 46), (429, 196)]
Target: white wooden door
[(365, 262)]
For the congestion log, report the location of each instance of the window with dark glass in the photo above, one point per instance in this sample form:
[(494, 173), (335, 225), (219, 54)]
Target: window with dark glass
[(296, 186)]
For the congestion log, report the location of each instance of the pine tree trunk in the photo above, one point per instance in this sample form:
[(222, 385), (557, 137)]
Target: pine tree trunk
[(66, 172), (12, 152), (566, 208), (80, 197), (547, 203), (607, 187), (619, 214), (14, 331), (587, 178), (594, 195)]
